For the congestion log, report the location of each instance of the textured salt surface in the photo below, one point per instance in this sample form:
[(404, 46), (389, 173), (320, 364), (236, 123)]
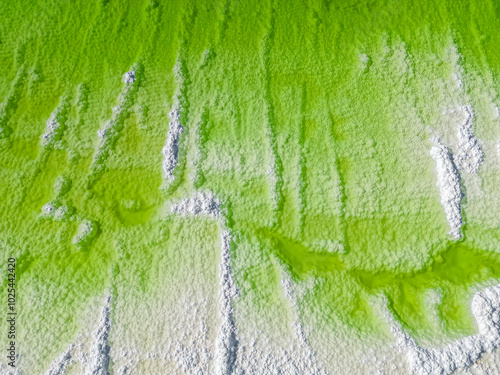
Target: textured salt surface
[(448, 183), (470, 155), (99, 356), (309, 359), (226, 344), (55, 125), (177, 115), (108, 134), (86, 232), (461, 353), (170, 151), (59, 366)]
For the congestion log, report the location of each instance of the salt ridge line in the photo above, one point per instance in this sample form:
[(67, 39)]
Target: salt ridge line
[(226, 343), (177, 115), (111, 129), (448, 183), (470, 155), (56, 124), (59, 366), (100, 357), (462, 353), (170, 151)]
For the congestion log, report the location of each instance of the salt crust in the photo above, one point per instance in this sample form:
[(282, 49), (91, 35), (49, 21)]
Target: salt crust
[(97, 360), (299, 329), (226, 343), (170, 151), (110, 128), (55, 125), (470, 155), (464, 352), (85, 231), (448, 183), (59, 366), (100, 358)]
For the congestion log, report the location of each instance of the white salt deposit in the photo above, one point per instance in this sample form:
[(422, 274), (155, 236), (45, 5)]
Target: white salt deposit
[(52, 126), (463, 352), (305, 349), (59, 365), (100, 357), (170, 151), (48, 209), (110, 128), (226, 344), (129, 77), (470, 155), (86, 231), (201, 204), (55, 125), (448, 183)]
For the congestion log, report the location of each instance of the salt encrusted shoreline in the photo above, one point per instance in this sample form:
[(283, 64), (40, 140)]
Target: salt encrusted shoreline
[(464, 352), (448, 183)]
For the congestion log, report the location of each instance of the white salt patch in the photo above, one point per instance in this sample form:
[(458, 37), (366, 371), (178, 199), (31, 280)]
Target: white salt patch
[(52, 127), (129, 77), (226, 343), (470, 155), (110, 128), (62, 213), (59, 365), (48, 209), (170, 151), (100, 357), (86, 231), (458, 80), (461, 353), (448, 183), (201, 204)]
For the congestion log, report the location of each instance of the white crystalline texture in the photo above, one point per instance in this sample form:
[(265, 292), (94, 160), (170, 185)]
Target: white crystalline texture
[(204, 204), (129, 77), (62, 213), (461, 353), (50, 132), (100, 357), (86, 231), (59, 366), (48, 209), (448, 183), (170, 151), (226, 343), (470, 155)]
